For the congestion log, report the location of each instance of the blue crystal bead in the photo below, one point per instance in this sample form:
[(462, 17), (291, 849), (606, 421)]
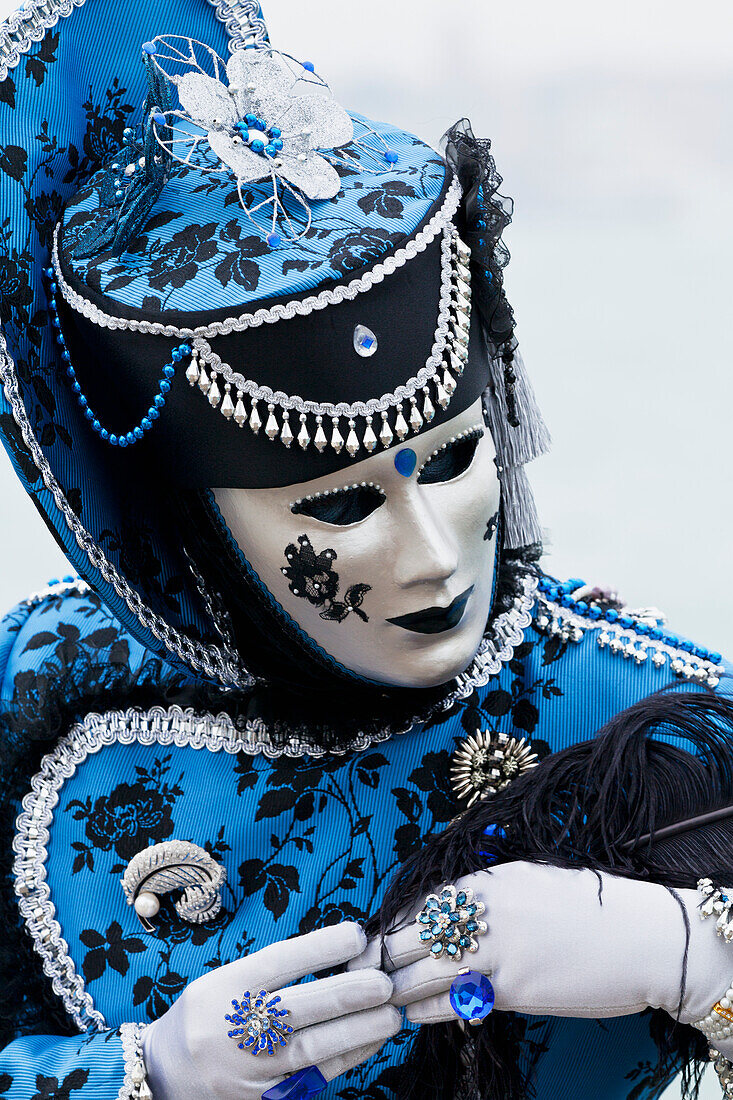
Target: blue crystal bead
[(405, 462), (472, 996), (303, 1084)]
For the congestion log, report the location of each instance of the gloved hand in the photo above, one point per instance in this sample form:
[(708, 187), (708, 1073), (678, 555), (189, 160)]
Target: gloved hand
[(338, 1021), (568, 943)]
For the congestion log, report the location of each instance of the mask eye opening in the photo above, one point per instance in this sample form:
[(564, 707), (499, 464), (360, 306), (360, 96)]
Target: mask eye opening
[(341, 507), (452, 459)]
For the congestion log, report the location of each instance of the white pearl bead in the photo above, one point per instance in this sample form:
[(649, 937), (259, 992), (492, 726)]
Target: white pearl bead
[(147, 905), (724, 1002)]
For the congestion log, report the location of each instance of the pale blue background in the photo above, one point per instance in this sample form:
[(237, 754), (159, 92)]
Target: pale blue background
[(612, 128)]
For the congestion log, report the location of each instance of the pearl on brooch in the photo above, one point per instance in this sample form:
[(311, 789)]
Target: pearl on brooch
[(147, 905)]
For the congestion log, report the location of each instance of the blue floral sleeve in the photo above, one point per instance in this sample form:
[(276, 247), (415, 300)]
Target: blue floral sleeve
[(34, 638), (81, 1067)]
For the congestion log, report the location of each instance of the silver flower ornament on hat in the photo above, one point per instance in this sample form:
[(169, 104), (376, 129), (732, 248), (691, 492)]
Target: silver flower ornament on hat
[(268, 121), (174, 865), (449, 924)]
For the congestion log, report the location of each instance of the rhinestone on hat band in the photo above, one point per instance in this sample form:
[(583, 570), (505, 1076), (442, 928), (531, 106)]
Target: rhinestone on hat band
[(365, 424)]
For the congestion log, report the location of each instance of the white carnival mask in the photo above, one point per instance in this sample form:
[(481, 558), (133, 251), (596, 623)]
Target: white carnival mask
[(388, 567)]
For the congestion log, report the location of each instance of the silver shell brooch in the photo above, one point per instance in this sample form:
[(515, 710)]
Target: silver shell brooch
[(174, 865), (485, 763)]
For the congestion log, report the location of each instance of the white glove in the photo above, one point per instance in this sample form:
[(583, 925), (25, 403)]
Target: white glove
[(568, 943), (338, 1021)]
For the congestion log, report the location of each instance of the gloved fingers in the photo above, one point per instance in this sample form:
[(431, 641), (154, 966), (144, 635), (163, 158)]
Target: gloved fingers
[(391, 952), (284, 962), (422, 979), (334, 997), (316, 1046), (342, 1063), (432, 1010)]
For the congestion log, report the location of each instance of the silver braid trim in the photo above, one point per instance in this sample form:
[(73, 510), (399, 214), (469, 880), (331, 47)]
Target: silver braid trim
[(300, 307), (244, 23), (28, 25), (135, 1085), (220, 664)]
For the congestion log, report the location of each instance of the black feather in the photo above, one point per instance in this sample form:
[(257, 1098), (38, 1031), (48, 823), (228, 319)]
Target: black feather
[(599, 804)]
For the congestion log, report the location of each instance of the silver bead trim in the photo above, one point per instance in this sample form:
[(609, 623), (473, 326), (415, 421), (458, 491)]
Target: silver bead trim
[(334, 492), (477, 430), (174, 726), (135, 1084), (220, 663), (301, 307), (30, 22), (60, 590), (724, 1069), (717, 903), (441, 371), (561, 622)]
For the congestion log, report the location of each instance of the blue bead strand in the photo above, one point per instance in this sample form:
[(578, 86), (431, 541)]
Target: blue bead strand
[(136, 434), (561, 593)]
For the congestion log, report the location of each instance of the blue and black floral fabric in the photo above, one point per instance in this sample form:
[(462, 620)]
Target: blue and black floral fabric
[(199, 247), (305, 841)]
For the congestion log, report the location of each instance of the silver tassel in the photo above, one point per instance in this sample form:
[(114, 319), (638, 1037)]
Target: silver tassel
[(521, 522), (516, 446)]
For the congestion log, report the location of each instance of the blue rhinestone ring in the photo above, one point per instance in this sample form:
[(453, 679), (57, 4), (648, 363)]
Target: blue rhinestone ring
[(259, 1023), (449, 922), (472, 996)]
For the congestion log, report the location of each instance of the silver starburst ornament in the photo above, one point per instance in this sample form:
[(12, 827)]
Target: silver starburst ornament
[(174, 865), (486, 762)]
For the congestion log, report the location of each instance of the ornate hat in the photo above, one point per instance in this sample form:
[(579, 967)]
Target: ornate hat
[(213, 275)]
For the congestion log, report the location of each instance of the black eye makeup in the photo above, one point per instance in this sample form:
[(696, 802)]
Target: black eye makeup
[(341, 507), (452, 459)]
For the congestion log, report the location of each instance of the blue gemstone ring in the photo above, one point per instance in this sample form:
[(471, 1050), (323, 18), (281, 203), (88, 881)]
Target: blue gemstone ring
[(258, 1023), (300, 1086), (448, 923), (472, 996)]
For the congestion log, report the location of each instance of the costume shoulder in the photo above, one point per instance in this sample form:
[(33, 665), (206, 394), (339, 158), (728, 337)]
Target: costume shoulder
[(592, 657), (62, 643), (571, 610)]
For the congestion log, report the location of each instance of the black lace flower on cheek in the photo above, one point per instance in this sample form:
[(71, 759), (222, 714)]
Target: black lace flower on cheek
[(312, 578), (311, 575)]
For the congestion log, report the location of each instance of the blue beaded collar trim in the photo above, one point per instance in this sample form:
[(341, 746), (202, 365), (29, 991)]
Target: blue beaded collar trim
[(637, 634)]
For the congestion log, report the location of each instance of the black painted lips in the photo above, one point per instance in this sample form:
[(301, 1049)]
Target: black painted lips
[(435, 620)]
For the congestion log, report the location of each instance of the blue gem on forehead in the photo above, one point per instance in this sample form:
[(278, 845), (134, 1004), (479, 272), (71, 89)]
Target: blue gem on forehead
[(405, 462), (365, 341)]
